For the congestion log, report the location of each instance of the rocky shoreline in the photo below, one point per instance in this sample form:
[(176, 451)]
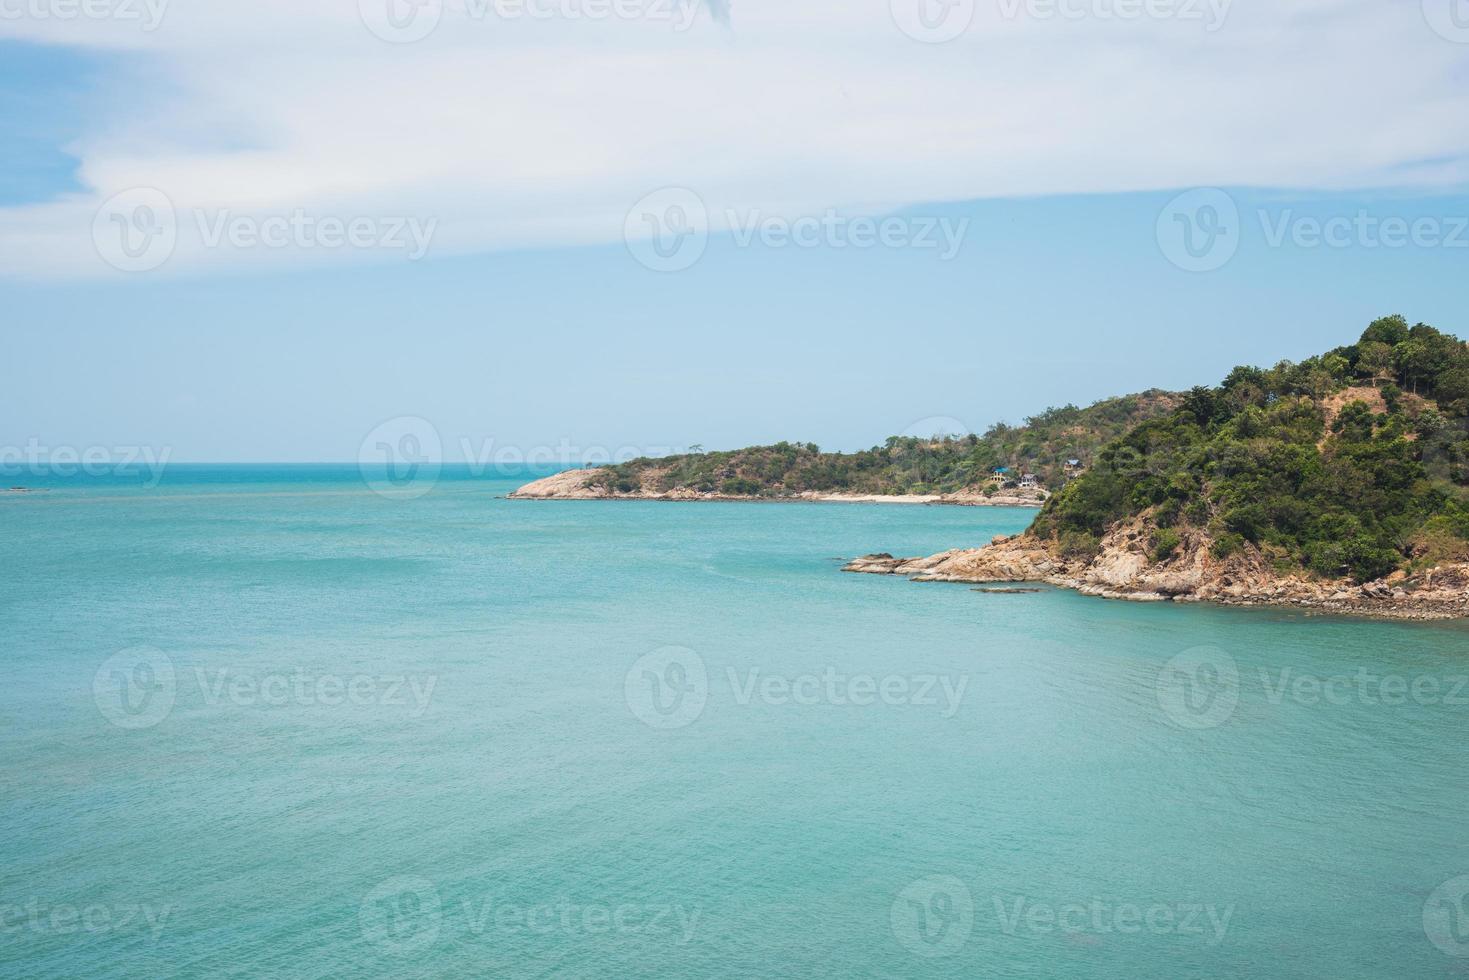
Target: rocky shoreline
[(575, 485), (1124, 570)]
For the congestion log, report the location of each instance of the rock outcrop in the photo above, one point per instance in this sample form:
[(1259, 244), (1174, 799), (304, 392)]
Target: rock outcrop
[(1125, 569), (570, 485)]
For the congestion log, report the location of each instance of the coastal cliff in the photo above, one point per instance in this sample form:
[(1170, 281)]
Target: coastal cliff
[(1339, 483)]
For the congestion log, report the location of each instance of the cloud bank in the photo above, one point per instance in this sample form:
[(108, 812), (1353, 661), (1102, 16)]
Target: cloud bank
[(508, 124)]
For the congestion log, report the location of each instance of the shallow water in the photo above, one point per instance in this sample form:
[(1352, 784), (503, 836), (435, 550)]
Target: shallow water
[(265, 721)]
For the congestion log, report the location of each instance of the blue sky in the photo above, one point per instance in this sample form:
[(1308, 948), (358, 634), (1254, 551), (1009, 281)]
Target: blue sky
[(525, 327)]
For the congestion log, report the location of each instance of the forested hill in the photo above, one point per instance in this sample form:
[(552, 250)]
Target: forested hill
[(1349, 464), (1041, 446)]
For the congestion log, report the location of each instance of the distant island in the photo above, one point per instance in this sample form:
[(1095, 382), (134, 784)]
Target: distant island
[(1340, 483), (1016, 466)]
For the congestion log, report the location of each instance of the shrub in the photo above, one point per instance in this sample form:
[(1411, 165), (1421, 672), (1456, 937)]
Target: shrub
[(1165, 543), (1225, 545), (740, 487), (1078, 544)]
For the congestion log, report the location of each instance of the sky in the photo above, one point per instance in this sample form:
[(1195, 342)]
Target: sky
[(607, 227)]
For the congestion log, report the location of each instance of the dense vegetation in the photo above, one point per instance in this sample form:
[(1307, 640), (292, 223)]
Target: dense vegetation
[(901, 465), (1352, 463)]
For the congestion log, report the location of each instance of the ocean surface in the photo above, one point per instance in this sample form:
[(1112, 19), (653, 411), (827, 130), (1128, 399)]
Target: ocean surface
[(281, 721)]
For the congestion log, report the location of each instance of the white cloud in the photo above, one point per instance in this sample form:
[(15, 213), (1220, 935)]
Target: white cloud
[(515, 131)]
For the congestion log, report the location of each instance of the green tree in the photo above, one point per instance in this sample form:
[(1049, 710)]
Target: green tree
[(1374, 360)]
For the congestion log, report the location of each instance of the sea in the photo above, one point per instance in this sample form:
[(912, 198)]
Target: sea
[(311, 721)]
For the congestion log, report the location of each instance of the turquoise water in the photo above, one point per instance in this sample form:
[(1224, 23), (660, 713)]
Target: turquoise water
[(267, 722)]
